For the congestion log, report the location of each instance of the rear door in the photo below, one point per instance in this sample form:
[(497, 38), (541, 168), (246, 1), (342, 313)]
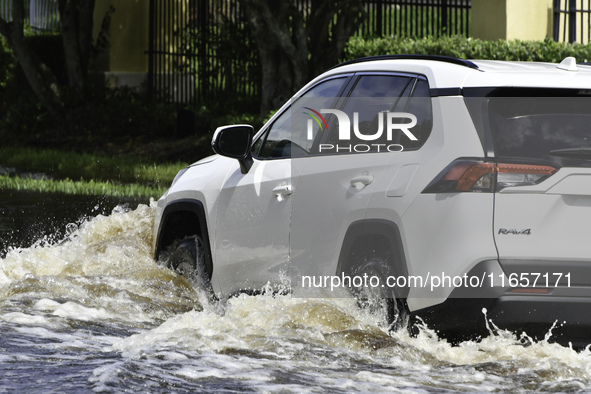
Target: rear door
[(337, 182), (542, 220)]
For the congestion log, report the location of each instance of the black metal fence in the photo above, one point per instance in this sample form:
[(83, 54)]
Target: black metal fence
[(41, 15), (170, 73), (416, 18), (572, 21), (202, 51)]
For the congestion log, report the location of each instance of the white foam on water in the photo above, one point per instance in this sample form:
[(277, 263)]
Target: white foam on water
[(320, 339), (117, 245), (160, 332), (24, 319), (103, 270)]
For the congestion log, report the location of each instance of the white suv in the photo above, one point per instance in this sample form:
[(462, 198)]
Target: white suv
[(455, 190)]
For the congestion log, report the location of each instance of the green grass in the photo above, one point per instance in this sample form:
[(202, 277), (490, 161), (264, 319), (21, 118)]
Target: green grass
[(98, 174), (91, 187), (60, 164)]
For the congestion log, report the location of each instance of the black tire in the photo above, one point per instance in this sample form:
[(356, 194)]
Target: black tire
[(187, 258), (374, 294)]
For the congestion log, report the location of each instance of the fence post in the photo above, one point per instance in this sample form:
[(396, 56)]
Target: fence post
[(572, 20), (444, 26), (379, 18), (203, 37), (151, 50), (556, 20)]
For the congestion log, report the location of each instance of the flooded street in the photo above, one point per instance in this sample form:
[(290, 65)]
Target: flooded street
[(84, 307)]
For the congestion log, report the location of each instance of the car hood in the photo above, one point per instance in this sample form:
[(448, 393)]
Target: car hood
[(205, 160)]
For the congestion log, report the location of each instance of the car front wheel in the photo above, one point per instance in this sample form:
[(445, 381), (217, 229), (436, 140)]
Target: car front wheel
[(187, 258)]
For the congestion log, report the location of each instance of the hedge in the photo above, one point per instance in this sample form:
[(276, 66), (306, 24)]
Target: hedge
[(469, 48)]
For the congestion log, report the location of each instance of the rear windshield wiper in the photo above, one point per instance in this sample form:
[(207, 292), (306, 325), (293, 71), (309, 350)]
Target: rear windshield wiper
[(575, 153)]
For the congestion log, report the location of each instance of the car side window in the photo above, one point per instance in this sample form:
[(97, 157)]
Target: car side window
[(370, 98), (288, 135), (367, 106), (419, 106)]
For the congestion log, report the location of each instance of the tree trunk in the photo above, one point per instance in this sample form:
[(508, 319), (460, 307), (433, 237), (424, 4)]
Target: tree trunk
[(328, 36), (291, 50), (76, 18), (278, 30), (40, 77)]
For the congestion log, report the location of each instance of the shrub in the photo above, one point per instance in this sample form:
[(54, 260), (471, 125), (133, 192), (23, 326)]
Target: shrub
[(468, 48)]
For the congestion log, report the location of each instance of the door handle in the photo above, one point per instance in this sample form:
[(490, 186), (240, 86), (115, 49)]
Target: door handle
[(359, 182), (282, 191)]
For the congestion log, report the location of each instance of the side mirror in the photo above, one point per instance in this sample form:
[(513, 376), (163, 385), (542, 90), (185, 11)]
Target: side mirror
[(235, 142)]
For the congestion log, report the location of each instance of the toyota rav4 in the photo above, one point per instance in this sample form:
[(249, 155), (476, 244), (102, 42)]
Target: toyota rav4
[(456, 191)]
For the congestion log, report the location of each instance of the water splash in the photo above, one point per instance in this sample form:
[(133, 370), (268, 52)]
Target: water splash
[(97, 294), (104, 263)]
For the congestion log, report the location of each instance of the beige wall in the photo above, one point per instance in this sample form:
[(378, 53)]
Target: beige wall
[(511, 19), (128, 35)]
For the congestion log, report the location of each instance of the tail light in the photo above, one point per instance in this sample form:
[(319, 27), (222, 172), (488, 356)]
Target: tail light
[(481, 176)]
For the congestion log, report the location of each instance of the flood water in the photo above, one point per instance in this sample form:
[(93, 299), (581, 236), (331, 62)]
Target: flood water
[(84, 307)]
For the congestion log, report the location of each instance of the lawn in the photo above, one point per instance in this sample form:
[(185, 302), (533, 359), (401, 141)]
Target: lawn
[(81, 173)]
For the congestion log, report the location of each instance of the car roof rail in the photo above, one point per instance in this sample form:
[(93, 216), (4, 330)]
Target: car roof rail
[(438, 58)]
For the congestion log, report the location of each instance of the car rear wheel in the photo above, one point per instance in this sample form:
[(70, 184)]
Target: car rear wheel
[(370, 261), (375, 296)]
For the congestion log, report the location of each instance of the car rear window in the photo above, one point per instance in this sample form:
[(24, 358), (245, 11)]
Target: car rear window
[(554, 129)]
